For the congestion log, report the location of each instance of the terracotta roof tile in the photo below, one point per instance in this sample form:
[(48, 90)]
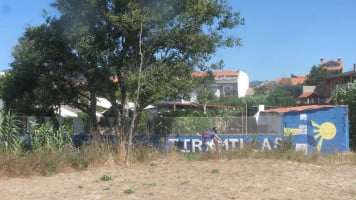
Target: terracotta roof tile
[(298, 108), (292, 81), (308, 94)]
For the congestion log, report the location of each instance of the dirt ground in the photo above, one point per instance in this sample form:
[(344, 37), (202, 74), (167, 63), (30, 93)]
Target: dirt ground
[(212, 179)]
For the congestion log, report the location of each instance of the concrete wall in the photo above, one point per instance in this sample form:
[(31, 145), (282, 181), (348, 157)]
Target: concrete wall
[(323, 130)]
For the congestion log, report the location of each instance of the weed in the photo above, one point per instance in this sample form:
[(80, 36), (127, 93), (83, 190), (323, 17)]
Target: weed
[(215, 171), (191, 156), (151, 184), (353, 193), (153, 164), (186, 182), (78, 161), (105, 178), (129, 191)]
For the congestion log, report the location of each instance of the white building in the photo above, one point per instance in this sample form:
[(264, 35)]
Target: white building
[(226, 83)]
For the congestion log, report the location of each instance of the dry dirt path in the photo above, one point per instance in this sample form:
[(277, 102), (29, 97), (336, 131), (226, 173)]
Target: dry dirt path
[(213, 179)]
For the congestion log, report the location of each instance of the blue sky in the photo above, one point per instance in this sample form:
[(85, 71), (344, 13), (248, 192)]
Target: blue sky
[(280, 37)]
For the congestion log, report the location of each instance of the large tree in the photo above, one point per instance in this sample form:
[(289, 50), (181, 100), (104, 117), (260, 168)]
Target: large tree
[(149, 45)]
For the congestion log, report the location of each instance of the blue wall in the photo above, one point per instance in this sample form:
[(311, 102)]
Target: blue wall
[(324, 130), (193, 143)]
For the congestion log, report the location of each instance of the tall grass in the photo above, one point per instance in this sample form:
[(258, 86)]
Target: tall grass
[(52, 152), (9, 133)]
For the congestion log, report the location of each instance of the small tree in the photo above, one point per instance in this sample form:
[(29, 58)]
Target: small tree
[(347, 96), (206, 93)]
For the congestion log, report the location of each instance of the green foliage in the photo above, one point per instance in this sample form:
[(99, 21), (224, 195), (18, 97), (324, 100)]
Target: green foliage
[(42, 136), (129, 191), (78, 160), (9, 133), (191, 156), (2, 85), (150, 46), (186, 122), (347, 95), (186, 182), (206, 92), (240, 104), (102, 40), (46, 137), (316, 75), (281, 98), (105, 178), (286, 144)]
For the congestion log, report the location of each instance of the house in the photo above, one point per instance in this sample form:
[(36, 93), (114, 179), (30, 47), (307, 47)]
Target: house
[(309, 98), (226, 83), (294, 84), (337, 80), (310, 95), (321, 94)]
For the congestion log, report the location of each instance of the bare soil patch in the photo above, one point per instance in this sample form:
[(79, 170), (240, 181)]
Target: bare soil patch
[(212, 179)]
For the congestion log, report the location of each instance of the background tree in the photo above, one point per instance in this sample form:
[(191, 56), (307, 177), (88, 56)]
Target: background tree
[(281, 98), (31, 87), (181, 86), (347, 96), (205, 90), (316, 75)]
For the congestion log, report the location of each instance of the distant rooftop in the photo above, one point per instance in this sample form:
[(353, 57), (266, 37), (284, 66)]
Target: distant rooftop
[(298, 108), (217, 74), (294, 80)]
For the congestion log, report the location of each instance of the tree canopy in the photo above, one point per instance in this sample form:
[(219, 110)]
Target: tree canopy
[(148, 45), (281, 98), (316, 75)]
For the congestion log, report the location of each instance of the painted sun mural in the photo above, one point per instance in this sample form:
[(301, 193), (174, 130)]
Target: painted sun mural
[(325, 131)]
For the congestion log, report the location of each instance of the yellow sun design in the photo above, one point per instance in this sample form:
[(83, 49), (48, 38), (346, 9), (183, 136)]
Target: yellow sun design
[(326, 131)]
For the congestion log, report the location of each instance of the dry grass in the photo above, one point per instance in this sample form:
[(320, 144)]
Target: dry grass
[(47, 162)]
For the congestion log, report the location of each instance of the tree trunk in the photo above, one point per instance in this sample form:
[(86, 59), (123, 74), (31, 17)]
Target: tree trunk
[(136, 100), (92, 122)]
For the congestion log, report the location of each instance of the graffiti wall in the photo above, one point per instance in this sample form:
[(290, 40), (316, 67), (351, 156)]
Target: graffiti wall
[(321, 129)]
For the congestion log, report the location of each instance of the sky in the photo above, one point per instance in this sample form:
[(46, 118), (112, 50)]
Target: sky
[(279, 38)]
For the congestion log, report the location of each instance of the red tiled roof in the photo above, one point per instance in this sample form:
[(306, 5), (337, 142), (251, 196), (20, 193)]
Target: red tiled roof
[(217, 74), (307, 94), (293, 81), (298, 108)]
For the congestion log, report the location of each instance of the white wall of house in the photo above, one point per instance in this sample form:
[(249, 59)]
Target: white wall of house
[(240, 83), (243, 83)]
